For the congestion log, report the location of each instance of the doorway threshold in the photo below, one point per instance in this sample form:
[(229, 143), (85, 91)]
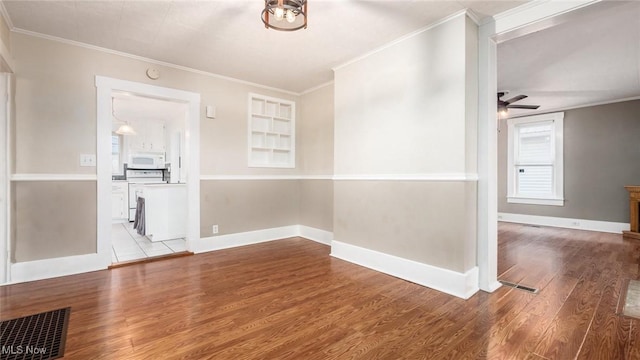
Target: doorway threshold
[(150, 259)]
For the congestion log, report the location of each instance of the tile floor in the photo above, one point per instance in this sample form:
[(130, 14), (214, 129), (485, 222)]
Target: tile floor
[(128, 245)]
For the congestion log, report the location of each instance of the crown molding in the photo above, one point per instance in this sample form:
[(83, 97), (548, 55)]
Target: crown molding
[(534, 11), (312, 89), (149, 60), (5, 15), (5, 54), (547, 111), (518, 9), (464, 12), (474, 17)]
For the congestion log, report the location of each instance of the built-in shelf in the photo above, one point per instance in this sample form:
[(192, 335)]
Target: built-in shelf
[(271, 132)]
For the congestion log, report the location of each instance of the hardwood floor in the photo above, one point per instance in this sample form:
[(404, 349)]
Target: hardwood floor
[(289, 299), (581, 275)]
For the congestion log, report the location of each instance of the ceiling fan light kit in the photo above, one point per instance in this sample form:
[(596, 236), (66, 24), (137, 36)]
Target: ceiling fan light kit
[(285, 15), (505, 105)]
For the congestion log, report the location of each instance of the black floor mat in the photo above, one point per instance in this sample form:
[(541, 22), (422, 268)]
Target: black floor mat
[(40, 336)]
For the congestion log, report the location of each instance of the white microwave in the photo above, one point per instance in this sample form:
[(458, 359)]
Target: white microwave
[(146, 161)]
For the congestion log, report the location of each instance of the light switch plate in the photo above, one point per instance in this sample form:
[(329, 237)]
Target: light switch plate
[(87, 159), (211, 111)]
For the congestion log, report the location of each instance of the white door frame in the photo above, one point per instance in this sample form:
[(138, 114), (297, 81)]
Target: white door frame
[(105, 87), (520, 21), (5, 191)]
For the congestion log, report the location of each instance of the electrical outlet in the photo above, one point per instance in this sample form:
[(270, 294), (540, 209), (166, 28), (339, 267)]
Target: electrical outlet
[(214, 229)]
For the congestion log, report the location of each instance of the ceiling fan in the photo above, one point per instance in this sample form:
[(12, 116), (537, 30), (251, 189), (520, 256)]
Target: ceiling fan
[(504, 105)]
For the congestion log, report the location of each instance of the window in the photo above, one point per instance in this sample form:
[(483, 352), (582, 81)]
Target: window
[(534, 165), (116, 154)]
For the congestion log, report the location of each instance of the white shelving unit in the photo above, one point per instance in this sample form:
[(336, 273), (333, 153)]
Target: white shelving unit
[(272, 134)]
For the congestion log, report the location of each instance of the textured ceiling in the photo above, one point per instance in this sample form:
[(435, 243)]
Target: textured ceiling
[(592, 57), (228, 38)]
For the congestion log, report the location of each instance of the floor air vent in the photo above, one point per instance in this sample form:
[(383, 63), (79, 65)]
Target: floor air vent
[(39, 336), (520, 287)]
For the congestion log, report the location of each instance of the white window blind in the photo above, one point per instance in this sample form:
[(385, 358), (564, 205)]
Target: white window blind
[(535, 144), (534, 163), (535, 180)]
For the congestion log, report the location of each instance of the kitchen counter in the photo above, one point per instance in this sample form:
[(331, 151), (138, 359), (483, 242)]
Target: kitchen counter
[(165, 211)]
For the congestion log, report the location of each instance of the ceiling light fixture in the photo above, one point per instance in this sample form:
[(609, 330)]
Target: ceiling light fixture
[(502, 111), (124, 129), (505, 105), (285, 15)]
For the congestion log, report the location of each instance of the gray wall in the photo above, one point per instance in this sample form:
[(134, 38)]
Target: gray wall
[(51, 213), (601, 156), (316, 204), (247, 205), (430, 222)]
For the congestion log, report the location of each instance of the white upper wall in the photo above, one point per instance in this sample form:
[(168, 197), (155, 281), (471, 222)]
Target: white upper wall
[(315, 132), (401, 110)]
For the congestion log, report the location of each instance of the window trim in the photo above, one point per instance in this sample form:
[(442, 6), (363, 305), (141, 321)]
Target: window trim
[(121, 155), (557, 153)]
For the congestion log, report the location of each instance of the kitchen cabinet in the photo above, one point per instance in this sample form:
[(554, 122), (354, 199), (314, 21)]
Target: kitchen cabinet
[(149, 136), (119, 201), (271, 132)]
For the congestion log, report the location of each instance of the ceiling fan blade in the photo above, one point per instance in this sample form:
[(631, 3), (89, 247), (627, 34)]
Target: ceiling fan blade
[(515, 98), (529, 107)]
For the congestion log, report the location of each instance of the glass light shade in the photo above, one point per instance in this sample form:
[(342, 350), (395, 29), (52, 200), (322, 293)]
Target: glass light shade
[(125, 129), (279, 13), (291, 17), (503, 111)]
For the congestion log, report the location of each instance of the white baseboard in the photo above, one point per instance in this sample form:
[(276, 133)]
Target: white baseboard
[(317, 235), (493, 287), (51, 268), (462, 285), (213, 243), (581, 224), (244, 238)]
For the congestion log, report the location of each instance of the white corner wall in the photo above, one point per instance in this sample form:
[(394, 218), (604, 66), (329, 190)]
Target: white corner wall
[(405, 157)]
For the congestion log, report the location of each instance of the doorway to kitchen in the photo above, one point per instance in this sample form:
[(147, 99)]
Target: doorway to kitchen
[(149, 197), (152, 154)]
